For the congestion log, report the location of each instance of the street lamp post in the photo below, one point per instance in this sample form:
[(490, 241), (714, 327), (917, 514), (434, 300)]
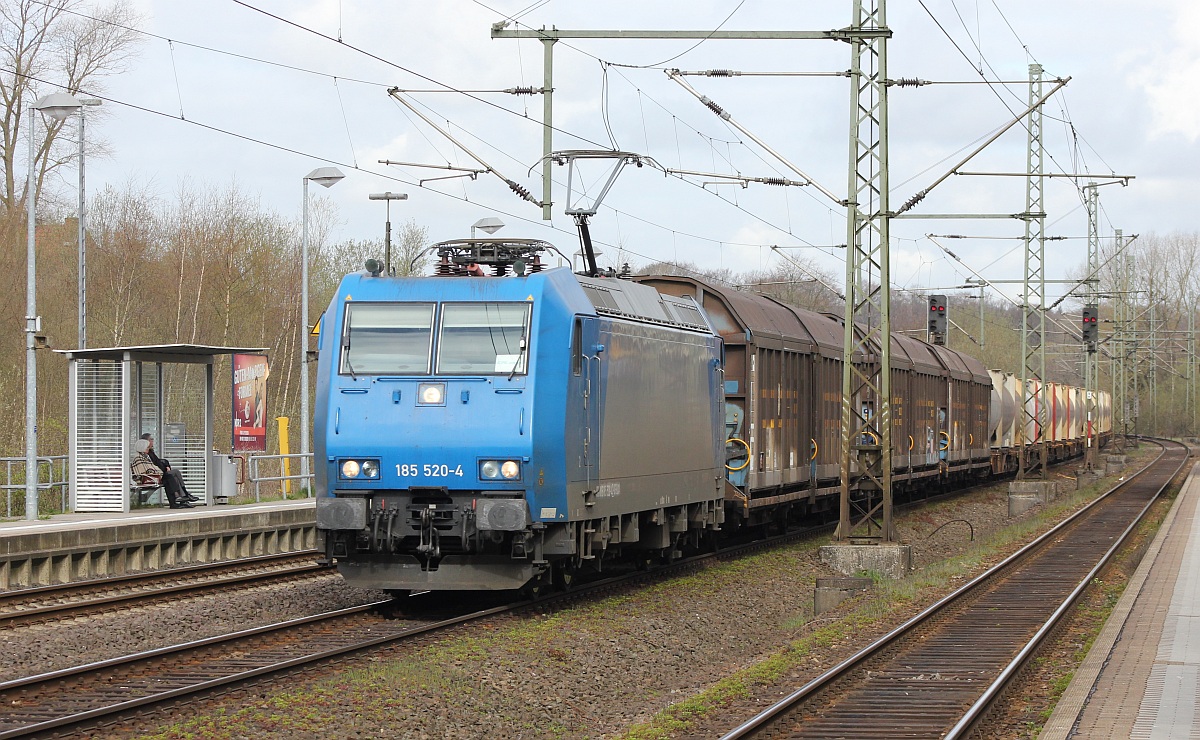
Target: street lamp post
[(58, 106), (83, 227), (387, 232), (326, 177)]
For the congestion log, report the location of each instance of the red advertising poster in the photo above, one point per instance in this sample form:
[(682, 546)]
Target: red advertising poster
[(250, 403)]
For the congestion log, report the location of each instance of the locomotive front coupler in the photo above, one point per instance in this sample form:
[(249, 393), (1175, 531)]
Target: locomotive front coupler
[(429, 535)]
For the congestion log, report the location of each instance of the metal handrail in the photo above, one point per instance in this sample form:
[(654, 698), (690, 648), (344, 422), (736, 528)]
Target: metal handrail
[(50, 463), (305, 476)]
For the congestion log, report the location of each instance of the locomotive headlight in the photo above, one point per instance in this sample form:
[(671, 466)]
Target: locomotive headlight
[(499, 469), (431, 394), (359, 469)]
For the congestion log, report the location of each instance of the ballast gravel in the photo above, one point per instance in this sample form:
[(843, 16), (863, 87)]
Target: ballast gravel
[(592, 670), (50, 646)]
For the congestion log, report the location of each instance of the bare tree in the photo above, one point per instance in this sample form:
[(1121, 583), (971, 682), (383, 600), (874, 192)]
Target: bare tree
[(802, 285), (48, 45), (410, 257)]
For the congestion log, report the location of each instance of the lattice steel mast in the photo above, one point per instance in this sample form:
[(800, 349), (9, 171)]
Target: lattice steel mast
[(1091, 358), (866, 453), (1032, 464)]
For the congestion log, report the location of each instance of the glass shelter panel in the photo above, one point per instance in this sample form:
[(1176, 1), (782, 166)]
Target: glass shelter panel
[(182, 443), (99, 458)]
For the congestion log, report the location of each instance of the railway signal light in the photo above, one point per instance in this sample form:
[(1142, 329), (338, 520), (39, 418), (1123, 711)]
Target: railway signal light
[(937, 319), (1091, 326)]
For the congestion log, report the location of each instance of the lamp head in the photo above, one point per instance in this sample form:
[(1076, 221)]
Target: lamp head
[(325, 176), (490, 224), (58, 105), (388, 196)]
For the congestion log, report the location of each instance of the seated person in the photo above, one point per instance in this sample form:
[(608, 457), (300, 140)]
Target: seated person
[(143, 467), (173, 478)]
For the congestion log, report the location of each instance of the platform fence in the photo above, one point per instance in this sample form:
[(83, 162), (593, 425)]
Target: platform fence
[(53, 486), (266, 478), (288, 476)]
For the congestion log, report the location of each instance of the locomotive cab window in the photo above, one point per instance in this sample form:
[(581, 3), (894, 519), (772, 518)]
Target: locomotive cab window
[(483, 339), (385, 338)]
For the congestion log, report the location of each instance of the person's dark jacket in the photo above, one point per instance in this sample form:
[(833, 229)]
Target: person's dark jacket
[(154, 458)]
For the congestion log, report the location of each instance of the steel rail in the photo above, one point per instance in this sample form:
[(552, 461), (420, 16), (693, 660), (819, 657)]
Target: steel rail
[(773, 714), (978, 709), (127, 587), (38, 682)]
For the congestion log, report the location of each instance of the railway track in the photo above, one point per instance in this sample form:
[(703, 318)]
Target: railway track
[(112, 690), (102, 692), (938, 674), (43, 603)]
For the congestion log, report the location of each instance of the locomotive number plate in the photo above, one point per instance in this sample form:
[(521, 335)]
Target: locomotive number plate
[(429, 471)]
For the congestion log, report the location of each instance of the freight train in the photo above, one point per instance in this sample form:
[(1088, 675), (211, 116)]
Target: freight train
[(504, 425)]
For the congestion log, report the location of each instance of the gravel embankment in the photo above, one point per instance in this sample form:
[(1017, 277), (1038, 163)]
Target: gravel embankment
[(49, 646), (601, 669)]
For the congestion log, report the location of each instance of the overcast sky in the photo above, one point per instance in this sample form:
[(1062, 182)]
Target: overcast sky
[(1130, 108)]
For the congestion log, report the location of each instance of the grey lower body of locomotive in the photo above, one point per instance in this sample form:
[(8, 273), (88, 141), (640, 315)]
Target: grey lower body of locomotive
[(507, 551)]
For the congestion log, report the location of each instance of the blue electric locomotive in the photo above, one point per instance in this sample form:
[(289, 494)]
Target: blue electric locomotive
[(499, 432)]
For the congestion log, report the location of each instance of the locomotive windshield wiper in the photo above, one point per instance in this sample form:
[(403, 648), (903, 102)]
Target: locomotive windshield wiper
[(520, 346)]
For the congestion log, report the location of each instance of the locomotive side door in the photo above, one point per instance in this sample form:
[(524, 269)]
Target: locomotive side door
[(583, 403)]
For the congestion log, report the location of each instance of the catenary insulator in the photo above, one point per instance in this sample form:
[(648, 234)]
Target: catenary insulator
[(909, 82), (914, 200), (530, 90), (712, 106), (519, 189), (722, 73), (773, 181)]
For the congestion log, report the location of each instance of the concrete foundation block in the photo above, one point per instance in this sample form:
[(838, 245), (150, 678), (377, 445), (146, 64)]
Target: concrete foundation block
[(832, 591), (1088, 477), (1115, 459), (892, 560), (1025, 494)]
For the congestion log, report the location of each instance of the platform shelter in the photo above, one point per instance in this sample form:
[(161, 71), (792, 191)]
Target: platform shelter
[(119, 393)]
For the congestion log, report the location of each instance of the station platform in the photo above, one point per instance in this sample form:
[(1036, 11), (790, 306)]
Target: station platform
[(1141, 678), (73, 547)]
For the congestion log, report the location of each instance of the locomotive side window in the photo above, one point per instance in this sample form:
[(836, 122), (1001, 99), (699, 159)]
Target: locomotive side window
[(383, 338), (483, 338)]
